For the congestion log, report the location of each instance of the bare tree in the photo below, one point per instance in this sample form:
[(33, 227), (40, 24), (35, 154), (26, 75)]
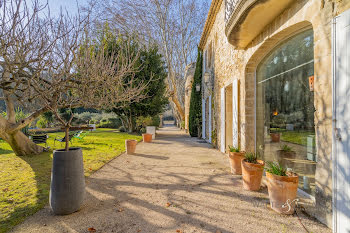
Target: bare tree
[(175, 25), (53, 63)]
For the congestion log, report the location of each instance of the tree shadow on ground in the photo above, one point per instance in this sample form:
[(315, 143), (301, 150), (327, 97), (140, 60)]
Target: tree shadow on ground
[(4, 151), (151, 156), (41, 166)]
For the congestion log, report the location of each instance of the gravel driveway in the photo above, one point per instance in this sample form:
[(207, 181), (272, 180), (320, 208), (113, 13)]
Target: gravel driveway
[(175, 184)]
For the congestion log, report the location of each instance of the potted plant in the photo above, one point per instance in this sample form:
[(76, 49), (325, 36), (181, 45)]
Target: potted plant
[(147, 137), (130, 146), (252, 171), (282, 187), (91, 83), (285, 152), (235, 157), (275, 136)]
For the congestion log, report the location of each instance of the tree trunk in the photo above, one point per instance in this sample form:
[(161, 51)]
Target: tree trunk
[(66, 131), (178, 106), (131, 126), (21, 144)]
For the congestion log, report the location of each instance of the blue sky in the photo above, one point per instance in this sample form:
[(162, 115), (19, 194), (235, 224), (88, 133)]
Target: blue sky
[(70, 5)]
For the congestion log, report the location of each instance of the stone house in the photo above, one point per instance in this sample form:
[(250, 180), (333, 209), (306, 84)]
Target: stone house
[(275, 73)]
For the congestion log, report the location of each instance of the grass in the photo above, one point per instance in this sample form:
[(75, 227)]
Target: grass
[(25, 181), (297, 137)]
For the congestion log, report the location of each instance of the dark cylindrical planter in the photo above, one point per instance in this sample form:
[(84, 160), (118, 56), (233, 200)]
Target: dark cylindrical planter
[(67, 181)]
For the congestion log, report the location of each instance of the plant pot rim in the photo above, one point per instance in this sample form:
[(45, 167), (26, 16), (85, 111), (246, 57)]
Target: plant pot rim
[(70, 149), (241, 153), (146, 134), (283, 178), (276, 133), (260, 163), (131, 140)]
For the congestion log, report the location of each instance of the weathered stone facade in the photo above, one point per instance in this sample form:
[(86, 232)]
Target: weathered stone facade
[(231, 63)]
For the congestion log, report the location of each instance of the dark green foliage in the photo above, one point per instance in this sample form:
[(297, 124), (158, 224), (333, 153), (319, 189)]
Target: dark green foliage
[(113, 123), (195, 118), (152, 71), (276, 169)]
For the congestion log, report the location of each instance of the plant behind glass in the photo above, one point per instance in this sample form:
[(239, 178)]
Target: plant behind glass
[(286, 148)]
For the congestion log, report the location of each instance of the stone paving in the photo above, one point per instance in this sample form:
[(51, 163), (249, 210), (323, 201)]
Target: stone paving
[(174, 184)]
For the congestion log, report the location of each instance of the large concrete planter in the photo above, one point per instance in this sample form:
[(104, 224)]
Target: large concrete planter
[(67, 189), (235, 159), (252, 174), (151, 130), (130, 146), (282, 192)]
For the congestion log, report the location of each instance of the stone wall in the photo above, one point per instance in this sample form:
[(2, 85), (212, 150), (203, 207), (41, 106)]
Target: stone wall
[(241, 64)]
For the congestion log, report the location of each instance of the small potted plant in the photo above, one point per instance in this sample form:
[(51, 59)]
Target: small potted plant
[(275, 136), (130, 146), (147, 137), (235, 157), (282, 187), (252, 171), (286, 152)]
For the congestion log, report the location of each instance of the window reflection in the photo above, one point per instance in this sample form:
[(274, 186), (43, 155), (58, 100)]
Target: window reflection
[(285, 108)]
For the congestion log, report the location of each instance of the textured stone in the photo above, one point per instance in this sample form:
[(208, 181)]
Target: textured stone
[(230, 64)]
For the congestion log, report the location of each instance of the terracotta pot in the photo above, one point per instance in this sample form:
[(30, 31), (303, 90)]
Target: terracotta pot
[(147, 137), (282, 192), (235, 159), (252, 174), (130, 146), (283, 156), (275, 137)]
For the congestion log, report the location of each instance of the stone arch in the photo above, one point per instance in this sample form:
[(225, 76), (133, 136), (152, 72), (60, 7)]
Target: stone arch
[(248, 137)]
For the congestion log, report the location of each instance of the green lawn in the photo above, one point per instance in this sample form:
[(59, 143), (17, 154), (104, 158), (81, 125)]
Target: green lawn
[(25, 181), (297, 137)]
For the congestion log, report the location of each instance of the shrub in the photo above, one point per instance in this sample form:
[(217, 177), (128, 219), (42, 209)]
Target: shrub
[(156, 121), (195, 118), (84, 117), (143, 130), (42, 122), (278, 121), (142, 122), (122, 129)]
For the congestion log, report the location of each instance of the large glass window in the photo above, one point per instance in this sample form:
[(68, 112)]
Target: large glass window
[(285, 108)]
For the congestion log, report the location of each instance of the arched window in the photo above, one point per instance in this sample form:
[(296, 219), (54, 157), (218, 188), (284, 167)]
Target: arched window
[(285, 107)]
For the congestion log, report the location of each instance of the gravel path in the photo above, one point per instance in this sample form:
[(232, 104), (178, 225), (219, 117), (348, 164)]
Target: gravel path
[(175, 184)]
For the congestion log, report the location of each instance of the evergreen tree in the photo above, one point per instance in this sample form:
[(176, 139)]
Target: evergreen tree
[(195, 118)]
